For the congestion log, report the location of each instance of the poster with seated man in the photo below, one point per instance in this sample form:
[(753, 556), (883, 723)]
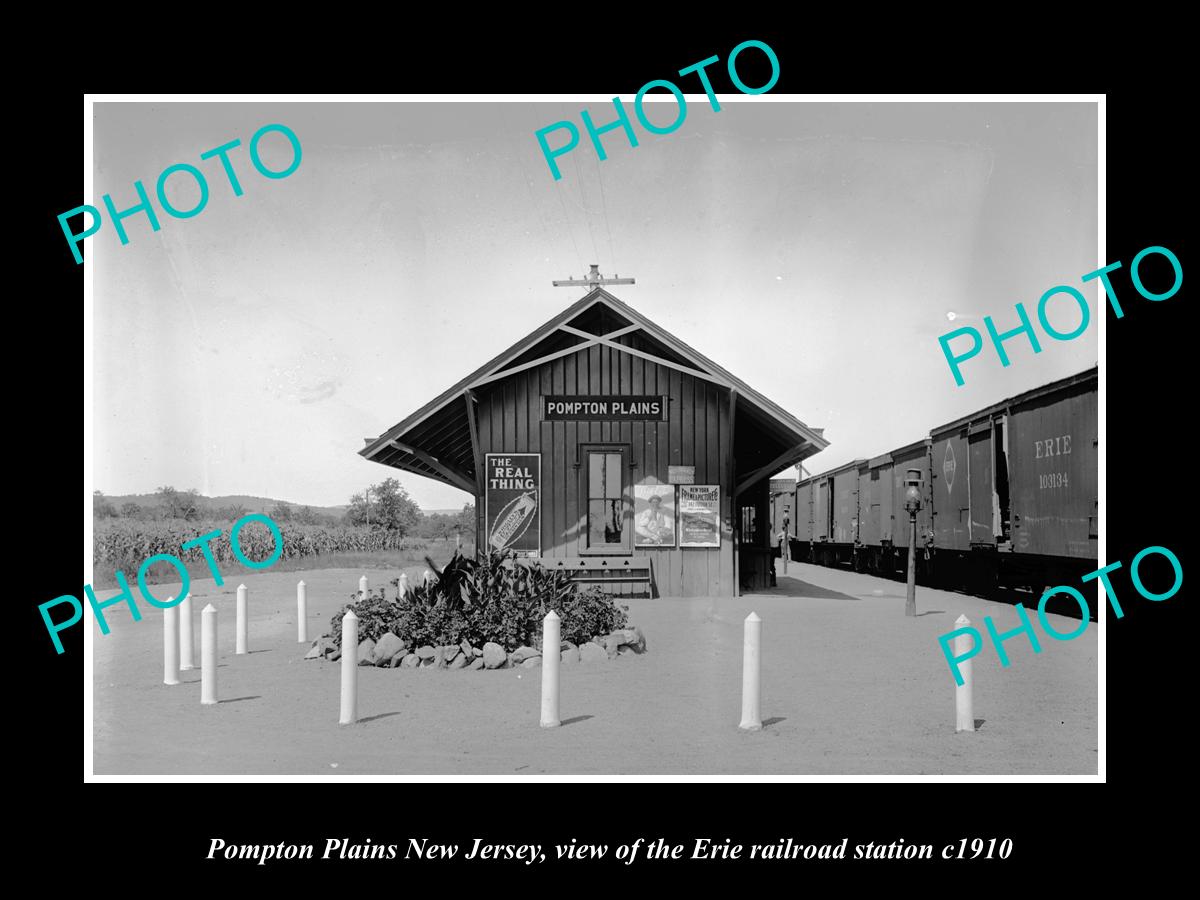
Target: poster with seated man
[(654, 515)]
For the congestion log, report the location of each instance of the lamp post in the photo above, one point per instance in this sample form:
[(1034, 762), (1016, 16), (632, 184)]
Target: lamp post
[(912, 502)]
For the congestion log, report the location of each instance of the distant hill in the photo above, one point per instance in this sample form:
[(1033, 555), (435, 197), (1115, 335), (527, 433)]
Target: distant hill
[(252, 504)]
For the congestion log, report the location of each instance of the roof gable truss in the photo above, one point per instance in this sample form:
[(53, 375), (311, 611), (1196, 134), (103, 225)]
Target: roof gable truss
[(601, 340), (599, 310)]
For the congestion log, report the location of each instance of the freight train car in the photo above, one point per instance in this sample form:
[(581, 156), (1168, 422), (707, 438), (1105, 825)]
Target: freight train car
[(1009, 497), (1015, 494), (1036, 499), (884, 522), (830, 536), (802, 516)]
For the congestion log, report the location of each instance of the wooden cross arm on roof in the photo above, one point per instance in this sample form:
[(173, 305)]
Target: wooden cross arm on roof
[(592, 279)]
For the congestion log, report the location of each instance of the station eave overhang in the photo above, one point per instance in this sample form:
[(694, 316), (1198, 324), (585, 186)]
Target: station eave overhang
[(437, 441), (439, 447)]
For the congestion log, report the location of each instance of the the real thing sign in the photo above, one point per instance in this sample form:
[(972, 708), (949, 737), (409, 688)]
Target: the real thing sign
[(513, 502)]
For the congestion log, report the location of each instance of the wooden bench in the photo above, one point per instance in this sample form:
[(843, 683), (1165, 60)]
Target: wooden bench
[(600, 569)]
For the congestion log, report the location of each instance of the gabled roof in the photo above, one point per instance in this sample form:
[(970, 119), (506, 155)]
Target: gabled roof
[(436, 440)]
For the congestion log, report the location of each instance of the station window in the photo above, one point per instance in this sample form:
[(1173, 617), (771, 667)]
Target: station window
[(607, 508), (750, 535)]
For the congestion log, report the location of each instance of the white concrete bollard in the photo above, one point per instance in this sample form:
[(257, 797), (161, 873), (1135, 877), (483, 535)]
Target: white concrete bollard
[(241, 620), (186, 641), (171, 644), (551, 629), (208, 655), (362, 588), (751, 673), (403, 587), (349, 669), (962, 692), (301, 613)]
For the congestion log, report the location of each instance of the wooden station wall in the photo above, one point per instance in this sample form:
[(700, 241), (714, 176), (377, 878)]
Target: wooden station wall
[(696, 434)]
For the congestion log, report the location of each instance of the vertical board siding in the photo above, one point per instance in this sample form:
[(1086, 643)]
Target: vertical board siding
[(951, 494), (696, 434), (569, 495), (622, 384), (845, 511), (983, 506), (803, 524), (669, 579), (869, 506), (1052, 518), (718, 571), (932, 502), (693, 573), (885, 494)]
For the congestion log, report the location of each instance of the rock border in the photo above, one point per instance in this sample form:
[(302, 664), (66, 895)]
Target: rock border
[(394, 652)]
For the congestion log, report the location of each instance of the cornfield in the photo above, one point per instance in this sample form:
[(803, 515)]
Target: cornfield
[(124, 544)]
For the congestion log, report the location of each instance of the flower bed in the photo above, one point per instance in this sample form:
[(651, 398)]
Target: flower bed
[(484, 613)]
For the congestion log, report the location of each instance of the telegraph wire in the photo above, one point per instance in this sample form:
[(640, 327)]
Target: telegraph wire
[(567, 221), (583, 205), (604, 209), (536, 208)]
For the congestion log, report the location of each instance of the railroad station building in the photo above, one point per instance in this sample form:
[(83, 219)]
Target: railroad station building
[(602, 445)]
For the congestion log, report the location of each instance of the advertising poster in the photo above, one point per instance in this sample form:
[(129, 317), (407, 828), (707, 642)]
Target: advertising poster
[(513, 509), (699, 515), (654, 515)]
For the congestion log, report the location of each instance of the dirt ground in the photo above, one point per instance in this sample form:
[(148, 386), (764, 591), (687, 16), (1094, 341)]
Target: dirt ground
[(850, 686)]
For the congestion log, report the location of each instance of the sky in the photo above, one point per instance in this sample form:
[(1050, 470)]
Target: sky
[(815, 250)]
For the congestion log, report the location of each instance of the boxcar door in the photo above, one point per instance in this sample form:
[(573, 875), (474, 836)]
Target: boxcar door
[(803, 521), (884, 494), (951, 500), (821, 507), (1053, 455), (870, 504), (845, 518), (984, 508)]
